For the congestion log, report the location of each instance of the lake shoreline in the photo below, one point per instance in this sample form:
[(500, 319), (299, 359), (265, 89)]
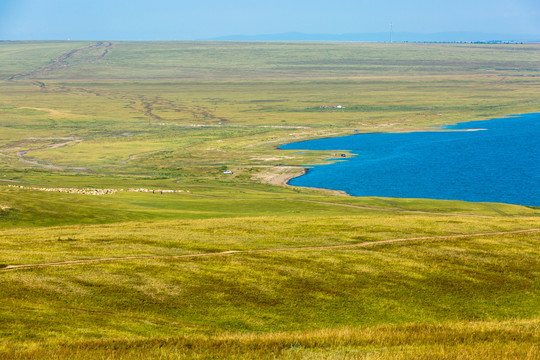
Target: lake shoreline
[(424, 162), (280, 175)]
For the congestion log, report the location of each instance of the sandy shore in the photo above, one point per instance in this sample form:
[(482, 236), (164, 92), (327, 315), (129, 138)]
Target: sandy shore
[(280, 175)]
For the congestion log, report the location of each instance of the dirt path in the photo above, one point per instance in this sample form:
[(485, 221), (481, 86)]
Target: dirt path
[(231, 252), (138, 155), (52, 166), (20, 153), (399, 209), (61, 61)]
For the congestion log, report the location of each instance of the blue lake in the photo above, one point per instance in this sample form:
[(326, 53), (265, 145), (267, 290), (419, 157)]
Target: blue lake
[(498, 164)]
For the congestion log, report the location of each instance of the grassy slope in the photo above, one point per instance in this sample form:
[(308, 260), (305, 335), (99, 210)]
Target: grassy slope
[(454, 285), (174, 115)]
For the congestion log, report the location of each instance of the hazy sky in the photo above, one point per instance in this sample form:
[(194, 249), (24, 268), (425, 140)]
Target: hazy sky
[(188, 20)]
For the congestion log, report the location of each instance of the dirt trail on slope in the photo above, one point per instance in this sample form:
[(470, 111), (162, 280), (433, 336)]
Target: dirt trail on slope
[(400, 209), (20, 152), (232, 252), (61, 61)]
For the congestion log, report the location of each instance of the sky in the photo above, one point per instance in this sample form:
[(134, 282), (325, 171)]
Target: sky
[(203, 19)]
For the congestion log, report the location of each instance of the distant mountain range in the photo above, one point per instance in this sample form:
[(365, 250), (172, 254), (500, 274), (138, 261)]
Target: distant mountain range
[(385, 37)]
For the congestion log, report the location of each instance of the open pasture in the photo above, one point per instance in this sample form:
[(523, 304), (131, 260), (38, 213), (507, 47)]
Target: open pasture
[(237, 265)]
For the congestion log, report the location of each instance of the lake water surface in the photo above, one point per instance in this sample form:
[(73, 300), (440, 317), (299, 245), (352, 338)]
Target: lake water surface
[(498, 164)]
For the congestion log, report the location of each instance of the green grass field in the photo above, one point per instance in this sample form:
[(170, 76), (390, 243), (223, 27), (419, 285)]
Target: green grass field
[(240, 266)]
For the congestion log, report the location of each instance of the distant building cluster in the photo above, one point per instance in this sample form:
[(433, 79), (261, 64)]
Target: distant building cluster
[(89, 191)]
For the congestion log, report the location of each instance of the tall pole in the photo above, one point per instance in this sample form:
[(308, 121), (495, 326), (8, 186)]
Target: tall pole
[(390, 32)]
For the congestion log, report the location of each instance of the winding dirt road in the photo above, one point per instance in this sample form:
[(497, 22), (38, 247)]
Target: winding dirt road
[(20, 152), (237, 252), (61, 61)]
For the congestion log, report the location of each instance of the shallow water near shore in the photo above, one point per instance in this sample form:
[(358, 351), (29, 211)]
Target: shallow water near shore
[(500, 162)]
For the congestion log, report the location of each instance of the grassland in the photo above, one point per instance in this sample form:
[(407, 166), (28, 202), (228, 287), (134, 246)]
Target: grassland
[(238, 266)]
